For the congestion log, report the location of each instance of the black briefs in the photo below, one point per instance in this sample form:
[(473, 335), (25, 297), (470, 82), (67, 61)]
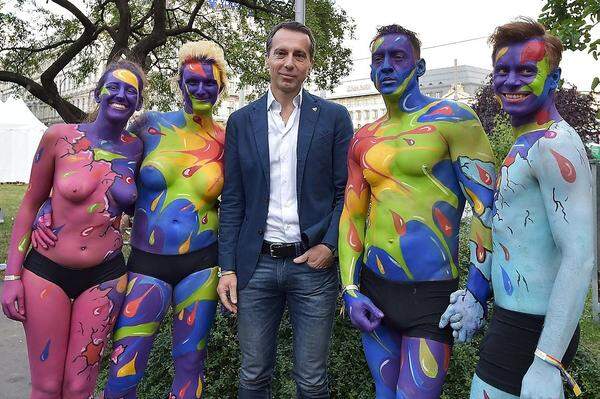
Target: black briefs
[(508, 348), (75, 281), (413, 308), (171, 268)]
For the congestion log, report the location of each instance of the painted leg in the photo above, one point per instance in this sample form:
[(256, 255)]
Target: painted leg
[(482, 390), (47, 330), (383, 350), (423, 368), (195, 301), (146, 302), (93, 317)]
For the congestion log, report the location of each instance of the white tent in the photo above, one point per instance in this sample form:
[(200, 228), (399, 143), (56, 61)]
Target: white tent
[(20, 134)]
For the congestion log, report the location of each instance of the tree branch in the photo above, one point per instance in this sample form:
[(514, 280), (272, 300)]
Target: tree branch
[(252, 4), (66, 110), (73, 9), (39, 49)]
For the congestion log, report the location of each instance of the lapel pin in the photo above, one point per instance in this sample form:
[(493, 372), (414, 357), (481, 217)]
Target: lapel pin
[(314, 109)]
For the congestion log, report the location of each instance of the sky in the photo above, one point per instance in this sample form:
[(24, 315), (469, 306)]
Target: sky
[(440, 22)]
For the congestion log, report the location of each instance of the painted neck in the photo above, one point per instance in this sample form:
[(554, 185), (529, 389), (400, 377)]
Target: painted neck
[(203, 118), (409, 101), (105, 129), (542, 118)]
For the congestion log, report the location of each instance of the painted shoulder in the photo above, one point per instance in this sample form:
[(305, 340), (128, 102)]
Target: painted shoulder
[(558, 138), (448, 111)]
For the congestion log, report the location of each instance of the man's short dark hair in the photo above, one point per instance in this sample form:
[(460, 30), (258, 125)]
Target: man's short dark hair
[(297, 27), (397, 29), (521, 30)]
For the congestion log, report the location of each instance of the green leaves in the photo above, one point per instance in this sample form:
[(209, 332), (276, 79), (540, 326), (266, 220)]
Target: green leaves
[(573, 22)]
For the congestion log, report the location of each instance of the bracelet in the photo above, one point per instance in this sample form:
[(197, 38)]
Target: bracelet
[(556, 363), (11, 277), (224, 273), (349, 287)]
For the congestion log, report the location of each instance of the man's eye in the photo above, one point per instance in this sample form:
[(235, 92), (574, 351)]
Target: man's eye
[(501, 71)]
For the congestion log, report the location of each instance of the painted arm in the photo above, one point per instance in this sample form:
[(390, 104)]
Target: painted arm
[(363, 314), (40, 184), (473, 164), (565, 182)]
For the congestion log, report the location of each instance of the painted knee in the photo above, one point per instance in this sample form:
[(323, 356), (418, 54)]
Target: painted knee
[(121, 387), (46, 389), (77, 389), (190, 363)]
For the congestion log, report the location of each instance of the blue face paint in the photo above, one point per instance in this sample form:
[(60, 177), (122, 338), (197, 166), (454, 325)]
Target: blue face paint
[(200, 84), (393, 64), (522, 78), (119, 97)]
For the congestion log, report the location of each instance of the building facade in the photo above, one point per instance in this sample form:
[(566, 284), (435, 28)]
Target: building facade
[(365, 104)]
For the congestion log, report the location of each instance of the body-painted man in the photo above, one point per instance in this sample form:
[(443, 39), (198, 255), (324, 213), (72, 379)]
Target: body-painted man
[(174, 250), (68, 298), (542, 230), (409, 174)]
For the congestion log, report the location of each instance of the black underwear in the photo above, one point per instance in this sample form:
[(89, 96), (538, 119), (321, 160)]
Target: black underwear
[(508, 348), (171, 268), (412, 308), (75, 281)]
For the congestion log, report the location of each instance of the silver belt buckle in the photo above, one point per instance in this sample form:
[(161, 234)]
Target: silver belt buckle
[(271, 250)]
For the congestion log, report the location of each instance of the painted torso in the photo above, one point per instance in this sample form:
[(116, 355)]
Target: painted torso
[(526, 258), (416, 202), (180, 179), (93, 183)]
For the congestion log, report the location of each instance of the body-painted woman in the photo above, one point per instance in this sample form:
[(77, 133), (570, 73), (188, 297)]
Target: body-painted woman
[(173, 258), (542, 234), (409, 175), (68, 298)]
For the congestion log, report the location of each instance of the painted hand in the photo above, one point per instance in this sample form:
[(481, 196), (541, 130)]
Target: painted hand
[(227, 290), (317, 257), (464, 314), (363, 314), (41, 231), (542, 381), (13, 301)]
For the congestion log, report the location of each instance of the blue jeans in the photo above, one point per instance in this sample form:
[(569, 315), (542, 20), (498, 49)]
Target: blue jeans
[(311, 298)]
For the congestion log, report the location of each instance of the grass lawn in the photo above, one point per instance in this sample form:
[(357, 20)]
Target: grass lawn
[(10, 199)]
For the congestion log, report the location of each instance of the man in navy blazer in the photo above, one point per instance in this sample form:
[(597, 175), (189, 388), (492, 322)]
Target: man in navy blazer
[(285, 174)]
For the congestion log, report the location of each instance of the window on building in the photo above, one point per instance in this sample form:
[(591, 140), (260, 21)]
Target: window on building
[(358, 116)]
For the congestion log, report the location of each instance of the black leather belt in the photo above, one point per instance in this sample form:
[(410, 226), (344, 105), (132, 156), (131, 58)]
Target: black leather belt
[(282, 250)]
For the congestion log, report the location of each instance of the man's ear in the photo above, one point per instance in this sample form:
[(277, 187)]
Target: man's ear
[(421, 67), (555, 78)]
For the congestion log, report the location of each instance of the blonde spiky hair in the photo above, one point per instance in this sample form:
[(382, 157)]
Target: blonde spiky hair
[(204, 50)]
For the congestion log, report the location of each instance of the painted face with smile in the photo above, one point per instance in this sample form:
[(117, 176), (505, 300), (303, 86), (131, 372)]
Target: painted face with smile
[(119, 96), (200, 84), (522, 77), (393, 64)]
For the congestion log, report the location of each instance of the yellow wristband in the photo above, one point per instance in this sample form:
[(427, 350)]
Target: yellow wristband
[(563, 371)]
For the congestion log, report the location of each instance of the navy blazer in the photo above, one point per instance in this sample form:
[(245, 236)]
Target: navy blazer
[(324, 133)]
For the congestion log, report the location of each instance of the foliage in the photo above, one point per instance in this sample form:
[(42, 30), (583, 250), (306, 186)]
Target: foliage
[(580, 110), (39, 41), (502, 139), (573, 21)]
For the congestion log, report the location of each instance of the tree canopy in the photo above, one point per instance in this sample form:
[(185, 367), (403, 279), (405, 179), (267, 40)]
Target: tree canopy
[(573, 22), (37, 42)]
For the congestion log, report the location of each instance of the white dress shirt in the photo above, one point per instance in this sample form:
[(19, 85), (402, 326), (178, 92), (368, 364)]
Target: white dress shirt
[(283, 224)]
